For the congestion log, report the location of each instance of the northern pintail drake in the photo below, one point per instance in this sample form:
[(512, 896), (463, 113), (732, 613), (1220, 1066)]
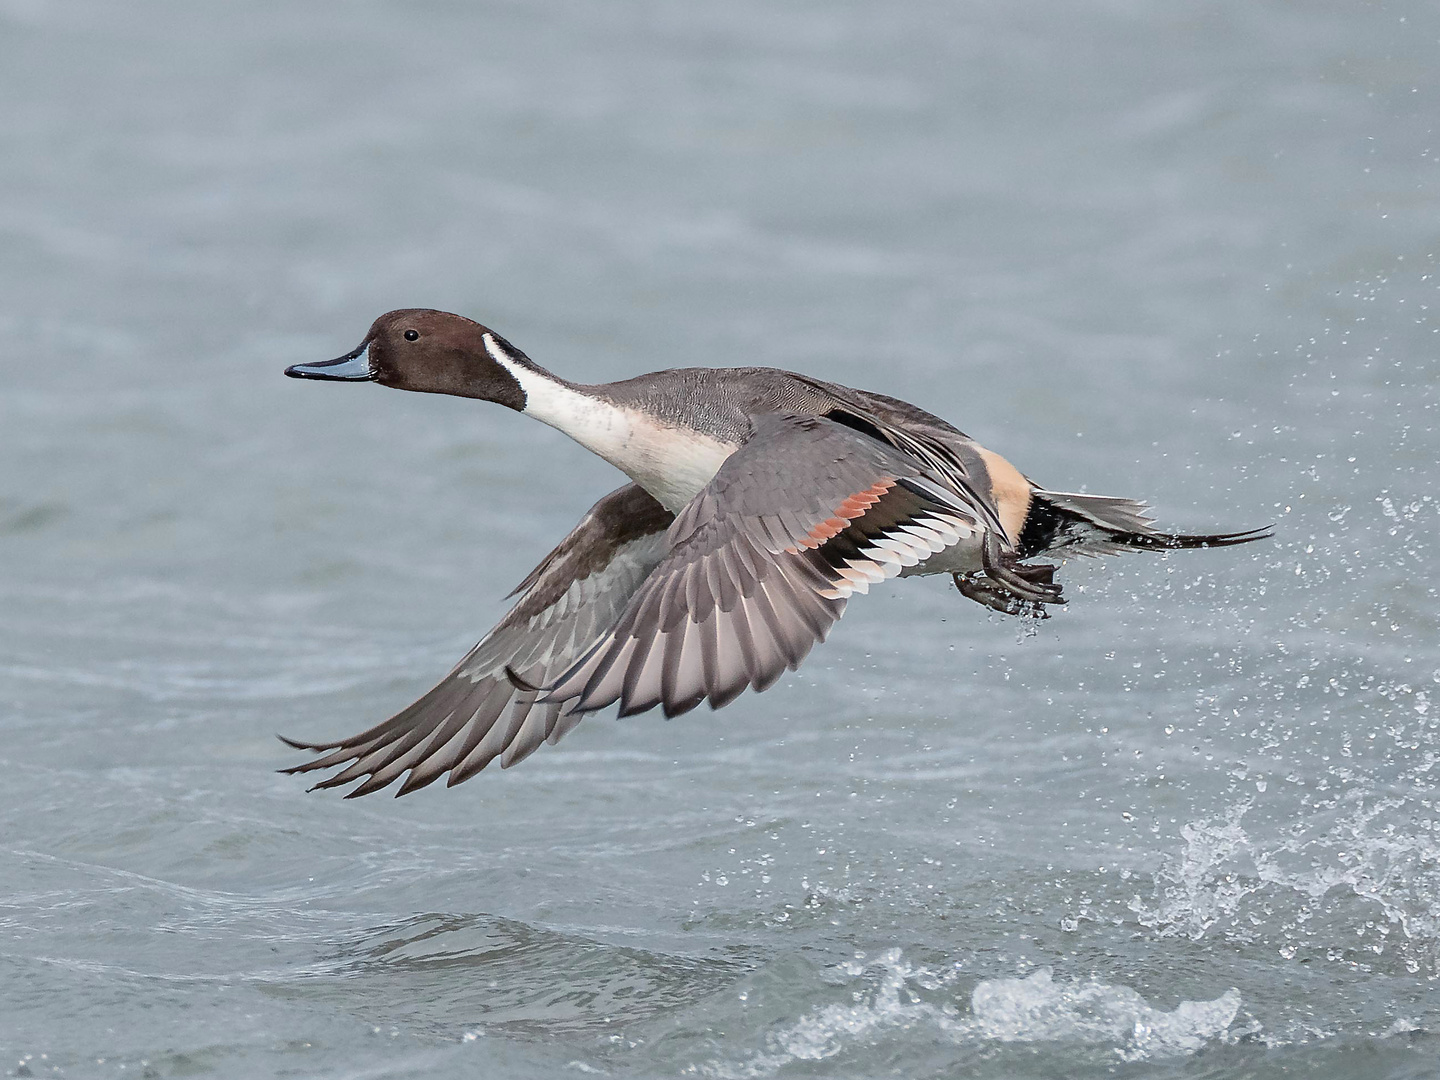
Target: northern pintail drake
[(760, 502)]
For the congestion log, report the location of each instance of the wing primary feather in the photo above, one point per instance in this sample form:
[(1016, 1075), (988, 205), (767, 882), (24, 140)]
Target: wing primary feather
[(530, 735), (450, 698), (564, 723), (766, 647), (739, 621), (688, 686), (732, 673), (481, 740), (722, 585), (383, 754), (605, 685), (670, 667), (477, 723), (775, 624), (640, 689), (501, 731), (743, 560), (335, 757), (435, 744), (381, 732), (709, 630), (698, 599)]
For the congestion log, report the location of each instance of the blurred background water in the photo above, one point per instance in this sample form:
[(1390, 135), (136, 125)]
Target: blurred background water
[(1187, 828)]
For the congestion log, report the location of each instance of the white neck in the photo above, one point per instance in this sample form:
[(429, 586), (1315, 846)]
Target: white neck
[(595, 424), (672, 463)]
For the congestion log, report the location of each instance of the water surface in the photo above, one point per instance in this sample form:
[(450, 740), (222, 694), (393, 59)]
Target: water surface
[(1186, 828)]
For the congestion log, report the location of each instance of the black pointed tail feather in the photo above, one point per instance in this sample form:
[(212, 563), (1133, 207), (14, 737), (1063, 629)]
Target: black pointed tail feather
[(1063, 523), (1159, 541)]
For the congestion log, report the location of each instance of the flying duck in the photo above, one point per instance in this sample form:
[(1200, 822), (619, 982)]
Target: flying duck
[(760, 501)]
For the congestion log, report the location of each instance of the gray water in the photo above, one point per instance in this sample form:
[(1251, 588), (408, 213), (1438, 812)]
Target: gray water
[(1187, 828)]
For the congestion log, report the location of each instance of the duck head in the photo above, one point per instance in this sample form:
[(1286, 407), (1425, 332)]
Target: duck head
[(432, 352)]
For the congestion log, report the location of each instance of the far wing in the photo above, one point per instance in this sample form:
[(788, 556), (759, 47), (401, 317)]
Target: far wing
[(477, 712), (760, 564)]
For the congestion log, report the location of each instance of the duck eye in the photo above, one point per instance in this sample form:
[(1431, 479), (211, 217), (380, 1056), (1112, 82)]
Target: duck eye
[(412, 335)]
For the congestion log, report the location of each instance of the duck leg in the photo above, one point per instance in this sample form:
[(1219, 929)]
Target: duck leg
[(976, 586), (1009, 586)]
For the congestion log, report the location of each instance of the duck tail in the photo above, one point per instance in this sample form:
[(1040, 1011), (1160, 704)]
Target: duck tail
[(1070, 523)]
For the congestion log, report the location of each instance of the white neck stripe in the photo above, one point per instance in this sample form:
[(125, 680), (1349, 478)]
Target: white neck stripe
[(500, 356), (549, 400), (669, 462)]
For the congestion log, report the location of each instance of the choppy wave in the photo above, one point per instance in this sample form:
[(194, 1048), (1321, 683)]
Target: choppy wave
[(893, 999)]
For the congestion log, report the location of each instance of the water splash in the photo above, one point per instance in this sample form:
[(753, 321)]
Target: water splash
[(1036, 1009), (891, 998), (1359, 884)]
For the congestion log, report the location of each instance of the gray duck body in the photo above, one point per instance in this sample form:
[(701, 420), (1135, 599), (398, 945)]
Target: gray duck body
[(760, 501)]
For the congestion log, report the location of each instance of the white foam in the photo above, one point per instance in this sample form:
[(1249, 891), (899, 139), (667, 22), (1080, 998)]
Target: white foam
[(894, 996), (1035, 1009)]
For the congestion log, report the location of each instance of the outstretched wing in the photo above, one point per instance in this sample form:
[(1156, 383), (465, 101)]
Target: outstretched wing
[(760, 564), (477, 712)]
